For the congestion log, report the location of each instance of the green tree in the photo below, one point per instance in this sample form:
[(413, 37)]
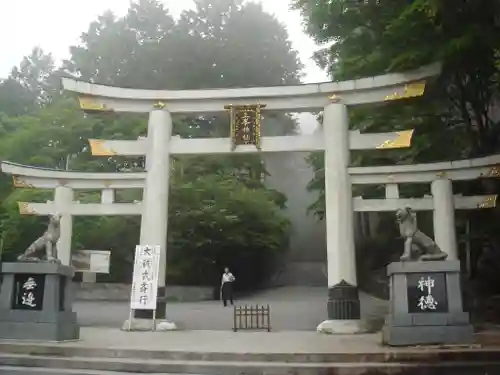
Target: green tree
[(216, 221), (19, 232), (36, 75), (456, 118), (15, 100), (209, 47), (148, 49), (29, 86)]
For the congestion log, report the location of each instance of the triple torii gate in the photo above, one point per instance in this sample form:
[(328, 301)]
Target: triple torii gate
[(245, 105), (439, 175)]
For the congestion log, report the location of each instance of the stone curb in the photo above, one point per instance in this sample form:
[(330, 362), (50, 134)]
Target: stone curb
[(413, 355), (235, 368)]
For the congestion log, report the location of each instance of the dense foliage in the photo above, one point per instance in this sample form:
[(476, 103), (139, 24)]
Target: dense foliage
[(458, 116), (220, 212)]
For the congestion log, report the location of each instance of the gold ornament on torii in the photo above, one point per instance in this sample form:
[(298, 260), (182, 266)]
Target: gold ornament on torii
[(411, 90), (489, 202), (91, 104), (99, 148), (25, 208), (402, 140), (18, 182)]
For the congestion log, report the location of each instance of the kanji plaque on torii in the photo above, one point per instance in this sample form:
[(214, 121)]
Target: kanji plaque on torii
[(245, 124)]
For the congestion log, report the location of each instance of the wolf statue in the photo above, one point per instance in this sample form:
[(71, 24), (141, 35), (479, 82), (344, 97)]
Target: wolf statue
[(45, 247), (418, 246)]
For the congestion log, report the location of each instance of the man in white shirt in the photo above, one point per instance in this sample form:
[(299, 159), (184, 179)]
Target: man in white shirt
[(227, 286)]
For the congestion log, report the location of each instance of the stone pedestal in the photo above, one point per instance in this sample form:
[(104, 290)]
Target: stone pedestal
[(36, 302), (343, 302), (426, 305)]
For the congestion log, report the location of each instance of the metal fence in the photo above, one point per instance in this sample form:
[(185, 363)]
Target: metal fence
[(252, 318)]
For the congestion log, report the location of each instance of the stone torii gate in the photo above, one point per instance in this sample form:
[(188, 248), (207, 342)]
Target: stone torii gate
[(64, 184), (439, 175), (245, 105)]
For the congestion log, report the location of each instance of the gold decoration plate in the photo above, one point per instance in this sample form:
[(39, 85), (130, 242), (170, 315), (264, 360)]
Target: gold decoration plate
[(18, 182), (489, 202), (411, 90), (493, 172), (159, 105), (99, 148), (25, 209), (90, 104), (334, 98), (402, 140)]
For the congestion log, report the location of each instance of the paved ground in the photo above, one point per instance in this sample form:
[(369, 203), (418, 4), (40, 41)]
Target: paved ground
[(292, 308), (295, 315), (220, 341)]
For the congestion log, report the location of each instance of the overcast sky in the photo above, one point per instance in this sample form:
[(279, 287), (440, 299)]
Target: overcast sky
[(55, 25)]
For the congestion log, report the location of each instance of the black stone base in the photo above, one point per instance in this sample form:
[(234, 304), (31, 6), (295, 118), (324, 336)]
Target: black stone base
[(428, 335), (161, 307), (49, 316), (343, 302), (408, 324)]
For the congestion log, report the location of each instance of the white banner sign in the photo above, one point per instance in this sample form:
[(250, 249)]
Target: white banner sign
[(145, 278)]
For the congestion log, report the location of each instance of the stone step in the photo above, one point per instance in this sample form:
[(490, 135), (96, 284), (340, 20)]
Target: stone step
[(39, 365), (10, 370), (377, 355)]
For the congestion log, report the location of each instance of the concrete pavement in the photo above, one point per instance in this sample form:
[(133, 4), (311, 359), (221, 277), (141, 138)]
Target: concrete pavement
[(292, 308)]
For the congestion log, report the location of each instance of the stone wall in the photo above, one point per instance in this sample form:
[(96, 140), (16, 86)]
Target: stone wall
[(121, 292)]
